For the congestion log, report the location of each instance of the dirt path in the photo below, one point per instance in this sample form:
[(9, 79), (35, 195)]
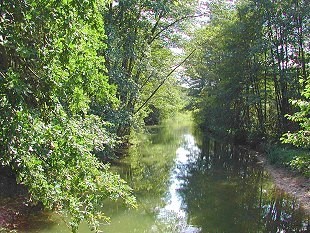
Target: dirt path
[(290, 182)]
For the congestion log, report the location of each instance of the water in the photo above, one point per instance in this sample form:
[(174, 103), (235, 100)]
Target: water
[(189, 183)]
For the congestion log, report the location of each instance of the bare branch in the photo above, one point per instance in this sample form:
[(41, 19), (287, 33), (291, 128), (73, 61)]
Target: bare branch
[(3, 75), (37, 76), (171, 24), (163, 81)]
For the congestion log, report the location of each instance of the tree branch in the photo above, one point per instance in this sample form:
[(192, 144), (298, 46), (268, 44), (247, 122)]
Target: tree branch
[(146, 81), (171, 24), (163, 81)]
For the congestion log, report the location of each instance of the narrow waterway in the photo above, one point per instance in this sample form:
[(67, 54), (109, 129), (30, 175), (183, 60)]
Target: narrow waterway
[(186, 182)]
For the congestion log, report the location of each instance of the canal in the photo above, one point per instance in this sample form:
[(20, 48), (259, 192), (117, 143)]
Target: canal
[(187, 182)]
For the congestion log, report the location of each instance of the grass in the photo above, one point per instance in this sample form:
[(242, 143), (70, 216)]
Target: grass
[(294, 158)]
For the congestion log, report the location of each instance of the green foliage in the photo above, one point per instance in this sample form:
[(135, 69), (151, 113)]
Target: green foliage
[(301, 138), (3, 230), (138, 57), (297, 159), (219, 91), (247, 66), (302, 164), (54, 161), (51, 76), (50, 50), (170, 99)]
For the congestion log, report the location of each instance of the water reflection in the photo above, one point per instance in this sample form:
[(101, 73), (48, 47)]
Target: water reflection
[(174, 208), (150, 171), (194, 184), (224, 190)]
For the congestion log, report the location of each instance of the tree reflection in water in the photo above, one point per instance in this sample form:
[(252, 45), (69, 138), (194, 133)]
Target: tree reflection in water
[(224, 190), (190, 184)]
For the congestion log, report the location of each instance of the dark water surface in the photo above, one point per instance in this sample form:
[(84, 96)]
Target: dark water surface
[(188, 183)]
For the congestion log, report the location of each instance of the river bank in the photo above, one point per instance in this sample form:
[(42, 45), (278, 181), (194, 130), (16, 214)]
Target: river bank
[(185, 181), (14, 210), (289, 181)]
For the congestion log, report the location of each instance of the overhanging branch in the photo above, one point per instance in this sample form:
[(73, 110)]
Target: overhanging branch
[(171, 24), (163, 81)]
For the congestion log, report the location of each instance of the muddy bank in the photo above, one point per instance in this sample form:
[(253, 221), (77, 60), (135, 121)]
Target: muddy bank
[(289, 181), (14, 206)]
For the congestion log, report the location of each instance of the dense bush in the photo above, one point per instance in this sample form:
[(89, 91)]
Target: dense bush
[(296, 159), (51, 73)]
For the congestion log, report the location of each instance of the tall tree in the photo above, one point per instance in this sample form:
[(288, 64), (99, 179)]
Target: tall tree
[(50, 73), (139, 34), (250, 60), (301, 138)]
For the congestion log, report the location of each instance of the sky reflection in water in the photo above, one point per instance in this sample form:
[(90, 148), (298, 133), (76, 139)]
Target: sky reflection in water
[(186, 182)]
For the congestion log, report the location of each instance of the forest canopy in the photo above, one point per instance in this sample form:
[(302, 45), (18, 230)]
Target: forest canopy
[(73, 75), (251, 64), (250, 75), (76, 77)]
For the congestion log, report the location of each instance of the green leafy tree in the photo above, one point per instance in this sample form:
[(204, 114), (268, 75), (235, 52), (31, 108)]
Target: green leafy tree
[(51, 74), (247, 66), (301, 138), (140, 34)]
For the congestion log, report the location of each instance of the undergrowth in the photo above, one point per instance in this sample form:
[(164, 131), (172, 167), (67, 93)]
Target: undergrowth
[(296, 159)]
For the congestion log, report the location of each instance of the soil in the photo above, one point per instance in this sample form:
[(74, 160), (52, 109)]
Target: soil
[(289, 181), (14, 207)]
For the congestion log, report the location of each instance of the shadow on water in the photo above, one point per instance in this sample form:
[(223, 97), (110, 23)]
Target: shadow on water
[(190, 184), (186, 182), (224, 190)]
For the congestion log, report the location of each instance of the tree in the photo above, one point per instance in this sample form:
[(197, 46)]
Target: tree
[(140, 34), (51, 73), (250, 59), (301, 138)]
